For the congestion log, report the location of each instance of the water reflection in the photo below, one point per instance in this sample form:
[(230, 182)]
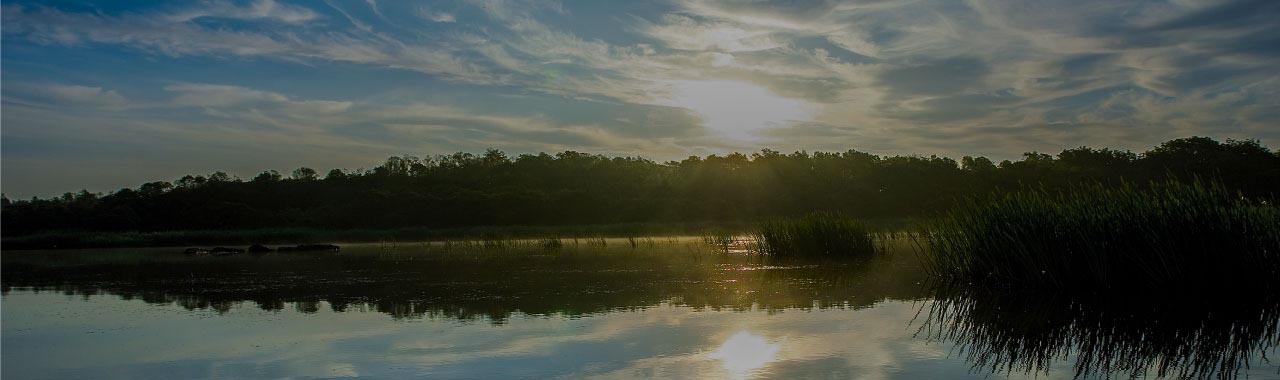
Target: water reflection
[(467, 285), (743, 353), (1187, 336), (667, 312)]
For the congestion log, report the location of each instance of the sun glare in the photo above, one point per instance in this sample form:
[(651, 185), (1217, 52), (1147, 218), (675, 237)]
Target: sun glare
[(737, 108), (744, 353)]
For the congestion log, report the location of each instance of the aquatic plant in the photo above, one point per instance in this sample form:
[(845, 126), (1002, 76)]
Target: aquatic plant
[(718, 238), (495, 242), (822, 234), (596, 241), (1106, 238), (550, 243)]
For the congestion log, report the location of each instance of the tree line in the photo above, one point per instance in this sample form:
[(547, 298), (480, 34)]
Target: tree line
[(574, 188)]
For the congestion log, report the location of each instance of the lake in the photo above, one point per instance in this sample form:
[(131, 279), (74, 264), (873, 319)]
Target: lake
[(669, 308)]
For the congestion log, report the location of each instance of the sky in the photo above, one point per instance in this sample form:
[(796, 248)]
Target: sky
[(111, 94)]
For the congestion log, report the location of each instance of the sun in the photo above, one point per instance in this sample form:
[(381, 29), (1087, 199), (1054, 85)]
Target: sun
[(737, 108)]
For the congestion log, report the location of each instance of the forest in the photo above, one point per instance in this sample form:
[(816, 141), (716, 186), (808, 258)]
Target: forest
[(573, 188)]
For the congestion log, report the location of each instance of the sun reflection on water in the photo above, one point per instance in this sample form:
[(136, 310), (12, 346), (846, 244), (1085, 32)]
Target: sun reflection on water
[(744, 353)]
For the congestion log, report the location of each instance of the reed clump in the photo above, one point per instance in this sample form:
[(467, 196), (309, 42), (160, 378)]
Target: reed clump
[(550, 243), (821, 234), (596, 241), (1164, 236), (719, 239)]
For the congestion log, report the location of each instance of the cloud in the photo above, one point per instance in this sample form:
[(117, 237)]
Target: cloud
[(685, 33), (212, 95), (891, 76), (178, 36), (68, 96), (436, 16), (855, 42), (944, 76), (45, 25), (259, 9)]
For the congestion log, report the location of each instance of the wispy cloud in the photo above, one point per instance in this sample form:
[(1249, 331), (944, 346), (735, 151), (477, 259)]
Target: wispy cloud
[(435, 16), (64, 95), (889, 76), (259, 9), (175, 34)]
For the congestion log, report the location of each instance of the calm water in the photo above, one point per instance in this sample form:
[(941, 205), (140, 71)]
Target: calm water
[(676, 310)]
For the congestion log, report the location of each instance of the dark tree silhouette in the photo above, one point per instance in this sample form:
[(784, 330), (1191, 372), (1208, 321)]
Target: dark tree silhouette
[(304, 174), (463, 189)]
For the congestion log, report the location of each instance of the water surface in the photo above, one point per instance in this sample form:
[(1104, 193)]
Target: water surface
[(666, 310)]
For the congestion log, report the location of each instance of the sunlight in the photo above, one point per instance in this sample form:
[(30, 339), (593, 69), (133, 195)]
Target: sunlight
[(743, 353), (737, 108)]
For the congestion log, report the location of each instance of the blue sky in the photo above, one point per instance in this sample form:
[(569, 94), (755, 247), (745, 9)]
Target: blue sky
[(104, 95)]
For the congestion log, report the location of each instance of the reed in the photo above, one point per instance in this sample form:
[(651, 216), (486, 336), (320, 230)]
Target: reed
[(821, 234), (718, 238), (551, 243), (1098, 238), (596, 241)]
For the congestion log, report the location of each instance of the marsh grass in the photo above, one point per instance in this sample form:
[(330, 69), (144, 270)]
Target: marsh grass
[(820, 234), (551, 243), (718, 238), (596, 241), (1098, 238)]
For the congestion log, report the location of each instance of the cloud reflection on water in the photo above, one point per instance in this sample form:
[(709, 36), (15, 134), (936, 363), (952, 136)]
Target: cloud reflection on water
[(665, 341)]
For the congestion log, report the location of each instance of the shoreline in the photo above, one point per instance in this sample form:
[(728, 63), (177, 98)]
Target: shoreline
[(274, 236), (53, 240)]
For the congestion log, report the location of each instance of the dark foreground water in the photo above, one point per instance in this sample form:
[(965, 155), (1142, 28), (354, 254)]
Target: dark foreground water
[(671, 310)]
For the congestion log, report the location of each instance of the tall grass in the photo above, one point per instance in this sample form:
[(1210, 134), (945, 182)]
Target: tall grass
[(1179, 235), (551, 243), (718, 238), (820, 234), (596, 241)]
